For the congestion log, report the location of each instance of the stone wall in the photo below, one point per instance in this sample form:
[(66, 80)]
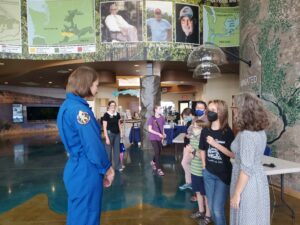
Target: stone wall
[(270, 38)]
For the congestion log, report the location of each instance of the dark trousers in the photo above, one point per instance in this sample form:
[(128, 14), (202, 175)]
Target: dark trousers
[(114, 148), (157, 147)]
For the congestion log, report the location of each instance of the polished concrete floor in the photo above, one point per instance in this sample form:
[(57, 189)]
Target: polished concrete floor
[(32, 192)]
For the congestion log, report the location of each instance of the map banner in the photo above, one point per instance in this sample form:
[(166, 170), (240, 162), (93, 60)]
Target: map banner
[(10, 26), (71, 29), (221, 26)]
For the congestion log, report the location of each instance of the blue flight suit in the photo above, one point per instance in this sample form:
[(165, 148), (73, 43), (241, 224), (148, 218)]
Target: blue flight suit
[(87, 163)]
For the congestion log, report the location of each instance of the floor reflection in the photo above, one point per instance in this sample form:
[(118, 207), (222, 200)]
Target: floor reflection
[(19, 154), (30, 166), (31, 184), (34, 165)]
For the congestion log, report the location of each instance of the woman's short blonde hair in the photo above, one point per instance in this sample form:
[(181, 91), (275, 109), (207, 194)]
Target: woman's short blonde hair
[(222, 112), (81, 81), (251, 113)]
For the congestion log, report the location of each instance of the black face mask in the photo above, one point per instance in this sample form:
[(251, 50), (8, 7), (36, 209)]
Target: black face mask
[(212, 116)]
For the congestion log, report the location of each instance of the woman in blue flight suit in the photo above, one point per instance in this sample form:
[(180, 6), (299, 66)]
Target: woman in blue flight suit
[(88, 167)]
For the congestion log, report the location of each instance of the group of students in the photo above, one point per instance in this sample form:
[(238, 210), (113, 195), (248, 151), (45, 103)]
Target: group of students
[(211, 148), (89, 167)]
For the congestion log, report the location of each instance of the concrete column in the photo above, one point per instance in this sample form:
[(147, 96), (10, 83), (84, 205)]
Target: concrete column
[(149, 97)]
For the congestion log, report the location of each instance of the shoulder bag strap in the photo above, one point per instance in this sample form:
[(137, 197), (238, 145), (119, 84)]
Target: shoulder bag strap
[(157, 125)]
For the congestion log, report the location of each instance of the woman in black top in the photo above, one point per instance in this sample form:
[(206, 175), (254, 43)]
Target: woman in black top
[(113, 133), (215, 144)]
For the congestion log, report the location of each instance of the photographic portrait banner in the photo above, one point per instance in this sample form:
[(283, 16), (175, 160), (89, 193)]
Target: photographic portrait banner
[(159, 20), (121, 21), (187, 23)]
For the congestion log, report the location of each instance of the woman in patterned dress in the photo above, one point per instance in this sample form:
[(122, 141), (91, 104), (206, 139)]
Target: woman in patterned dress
[(249, 191)]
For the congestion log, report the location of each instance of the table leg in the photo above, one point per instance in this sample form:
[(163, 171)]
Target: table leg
[(176, 151), (133, 135), (283, 200)]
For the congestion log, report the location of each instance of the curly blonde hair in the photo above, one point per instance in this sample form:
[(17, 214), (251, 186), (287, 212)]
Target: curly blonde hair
[(251, 113)]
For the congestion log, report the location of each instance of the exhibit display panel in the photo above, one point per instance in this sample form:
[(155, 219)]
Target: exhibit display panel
[(96, 30)]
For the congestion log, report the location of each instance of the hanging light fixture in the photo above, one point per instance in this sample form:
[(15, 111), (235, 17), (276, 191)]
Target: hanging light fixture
[(206, 70), (206, 53), (206, 59)]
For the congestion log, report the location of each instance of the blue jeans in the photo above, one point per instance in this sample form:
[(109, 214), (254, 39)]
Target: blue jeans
[(217, 193)]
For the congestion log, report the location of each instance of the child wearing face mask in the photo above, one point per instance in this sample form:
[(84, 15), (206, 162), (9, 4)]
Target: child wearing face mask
[(215, 142), (200, 110), (199, 114), (187, 157), (196, 171), (188, 120)]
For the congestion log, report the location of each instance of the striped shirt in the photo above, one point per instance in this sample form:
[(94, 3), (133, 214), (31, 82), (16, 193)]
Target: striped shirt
[(196, 164)]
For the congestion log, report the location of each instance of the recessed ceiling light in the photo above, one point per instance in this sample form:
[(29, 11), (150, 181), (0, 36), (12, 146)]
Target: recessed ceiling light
[(136, 65), (50, 82), (5, 82), (2, 63), (137, 71)]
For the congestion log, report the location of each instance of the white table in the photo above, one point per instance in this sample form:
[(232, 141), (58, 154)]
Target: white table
[(281, 168), (177, 141)]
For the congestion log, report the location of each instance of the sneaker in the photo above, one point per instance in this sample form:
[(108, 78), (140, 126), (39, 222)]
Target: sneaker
[(206, 220), (160, 172), (153, 165), (198, 215), (185, 186), (121, 169)]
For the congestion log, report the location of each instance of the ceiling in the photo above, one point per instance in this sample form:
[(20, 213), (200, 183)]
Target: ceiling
[(54, 73)]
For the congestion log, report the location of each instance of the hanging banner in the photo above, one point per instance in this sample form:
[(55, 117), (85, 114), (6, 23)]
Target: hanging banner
[(71, 29), (10, 26), (106, 30), (221, 25)]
